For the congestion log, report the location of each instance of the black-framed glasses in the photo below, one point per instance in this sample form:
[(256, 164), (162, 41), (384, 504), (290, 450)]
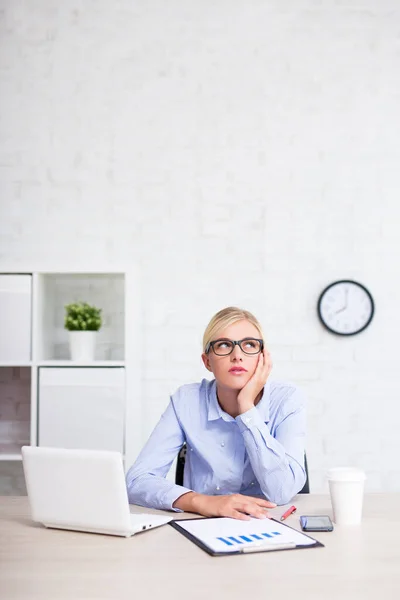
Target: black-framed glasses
[(224, 346)]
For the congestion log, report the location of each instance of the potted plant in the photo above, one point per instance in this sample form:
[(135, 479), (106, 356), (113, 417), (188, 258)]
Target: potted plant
[(83, 322)]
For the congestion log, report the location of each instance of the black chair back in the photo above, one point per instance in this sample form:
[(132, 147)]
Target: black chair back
[(180, 467), (306, 487)]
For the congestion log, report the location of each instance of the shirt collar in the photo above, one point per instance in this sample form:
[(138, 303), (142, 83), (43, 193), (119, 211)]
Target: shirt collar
[(215, 411)]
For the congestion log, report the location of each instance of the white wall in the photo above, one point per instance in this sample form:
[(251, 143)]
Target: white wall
[(240, 152)]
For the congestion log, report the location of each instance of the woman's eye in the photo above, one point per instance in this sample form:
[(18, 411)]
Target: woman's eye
[(223, 345)]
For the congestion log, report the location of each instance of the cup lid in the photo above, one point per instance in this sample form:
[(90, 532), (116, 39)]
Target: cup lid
[(346, 474)]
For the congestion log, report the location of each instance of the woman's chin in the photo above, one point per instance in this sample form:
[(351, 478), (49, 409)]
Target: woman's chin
[(234, 385)]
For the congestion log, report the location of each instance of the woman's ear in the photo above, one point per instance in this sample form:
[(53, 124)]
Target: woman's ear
[(206, 361)]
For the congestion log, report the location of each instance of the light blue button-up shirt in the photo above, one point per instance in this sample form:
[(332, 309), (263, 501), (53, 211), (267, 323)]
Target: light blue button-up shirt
[(258, 453)]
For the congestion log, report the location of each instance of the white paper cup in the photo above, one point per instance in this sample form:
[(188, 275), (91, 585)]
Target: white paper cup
[(346, 486)]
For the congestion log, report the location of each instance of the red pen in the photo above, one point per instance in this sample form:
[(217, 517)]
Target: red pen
[(289, 512)]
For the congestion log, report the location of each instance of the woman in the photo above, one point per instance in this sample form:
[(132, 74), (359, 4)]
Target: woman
[(244, 434)]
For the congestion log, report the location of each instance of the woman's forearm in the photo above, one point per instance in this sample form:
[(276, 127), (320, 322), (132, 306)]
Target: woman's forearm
[(189, 502)]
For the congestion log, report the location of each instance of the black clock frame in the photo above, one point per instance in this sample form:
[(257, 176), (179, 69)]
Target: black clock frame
[(324, 291)]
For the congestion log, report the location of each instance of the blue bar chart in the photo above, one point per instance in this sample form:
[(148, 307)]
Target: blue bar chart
[(231, 540)]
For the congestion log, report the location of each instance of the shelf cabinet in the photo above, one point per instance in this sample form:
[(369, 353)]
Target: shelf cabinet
[(52, 291), (15, 318), (81, 408), (46, 398)]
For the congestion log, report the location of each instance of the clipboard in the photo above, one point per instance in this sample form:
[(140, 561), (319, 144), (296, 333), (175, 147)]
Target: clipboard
[(271, 535)]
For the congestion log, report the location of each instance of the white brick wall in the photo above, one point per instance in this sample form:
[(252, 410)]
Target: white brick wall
[(240, 152)]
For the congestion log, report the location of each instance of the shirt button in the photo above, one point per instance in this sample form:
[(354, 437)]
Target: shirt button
[(252, 483), (222, 444), (248, 419), (217, 488)]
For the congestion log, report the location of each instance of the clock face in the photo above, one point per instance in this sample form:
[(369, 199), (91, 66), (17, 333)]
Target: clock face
[(345, 307)]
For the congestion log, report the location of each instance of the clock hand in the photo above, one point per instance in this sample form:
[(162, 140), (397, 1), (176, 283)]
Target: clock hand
[(346, 293)]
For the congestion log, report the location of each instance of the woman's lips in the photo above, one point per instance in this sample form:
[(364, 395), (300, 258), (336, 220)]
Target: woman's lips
[(237, 371)]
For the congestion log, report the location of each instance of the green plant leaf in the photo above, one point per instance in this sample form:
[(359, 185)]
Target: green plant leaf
[(81, 316)]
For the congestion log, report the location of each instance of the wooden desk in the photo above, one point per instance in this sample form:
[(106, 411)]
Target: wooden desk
[(357, 563)]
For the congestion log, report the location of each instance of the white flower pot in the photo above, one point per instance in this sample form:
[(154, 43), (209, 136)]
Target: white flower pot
[(82, 345)]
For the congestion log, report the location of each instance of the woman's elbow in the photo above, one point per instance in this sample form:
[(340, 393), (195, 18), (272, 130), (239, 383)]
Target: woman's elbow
[(132, 480), (130, 488), (280, 498), (284, 491)]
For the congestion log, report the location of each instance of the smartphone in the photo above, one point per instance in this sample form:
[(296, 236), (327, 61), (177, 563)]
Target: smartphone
[(316, 523)]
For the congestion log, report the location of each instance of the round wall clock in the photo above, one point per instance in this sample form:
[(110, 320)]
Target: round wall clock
[(345, 307)]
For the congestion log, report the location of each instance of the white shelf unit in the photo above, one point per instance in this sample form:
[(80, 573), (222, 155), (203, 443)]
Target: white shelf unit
[(75, 363), (15, 318), (52, 291), (82, 407), (45, 397)]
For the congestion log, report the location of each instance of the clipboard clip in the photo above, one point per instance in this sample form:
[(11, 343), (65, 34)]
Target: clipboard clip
[(267, 547)]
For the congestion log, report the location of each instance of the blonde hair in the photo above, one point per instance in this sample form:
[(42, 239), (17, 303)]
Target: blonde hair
[(224, 318)]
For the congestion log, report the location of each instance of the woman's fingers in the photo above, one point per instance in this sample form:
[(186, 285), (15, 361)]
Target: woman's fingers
[(267, 368), (236, 514), (253, 509), (267, 360), (238, 506)]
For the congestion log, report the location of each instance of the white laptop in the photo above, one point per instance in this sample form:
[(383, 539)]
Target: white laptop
[(83, 490)]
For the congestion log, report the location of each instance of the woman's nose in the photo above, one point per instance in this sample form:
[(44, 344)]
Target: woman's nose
[(237, 353)]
